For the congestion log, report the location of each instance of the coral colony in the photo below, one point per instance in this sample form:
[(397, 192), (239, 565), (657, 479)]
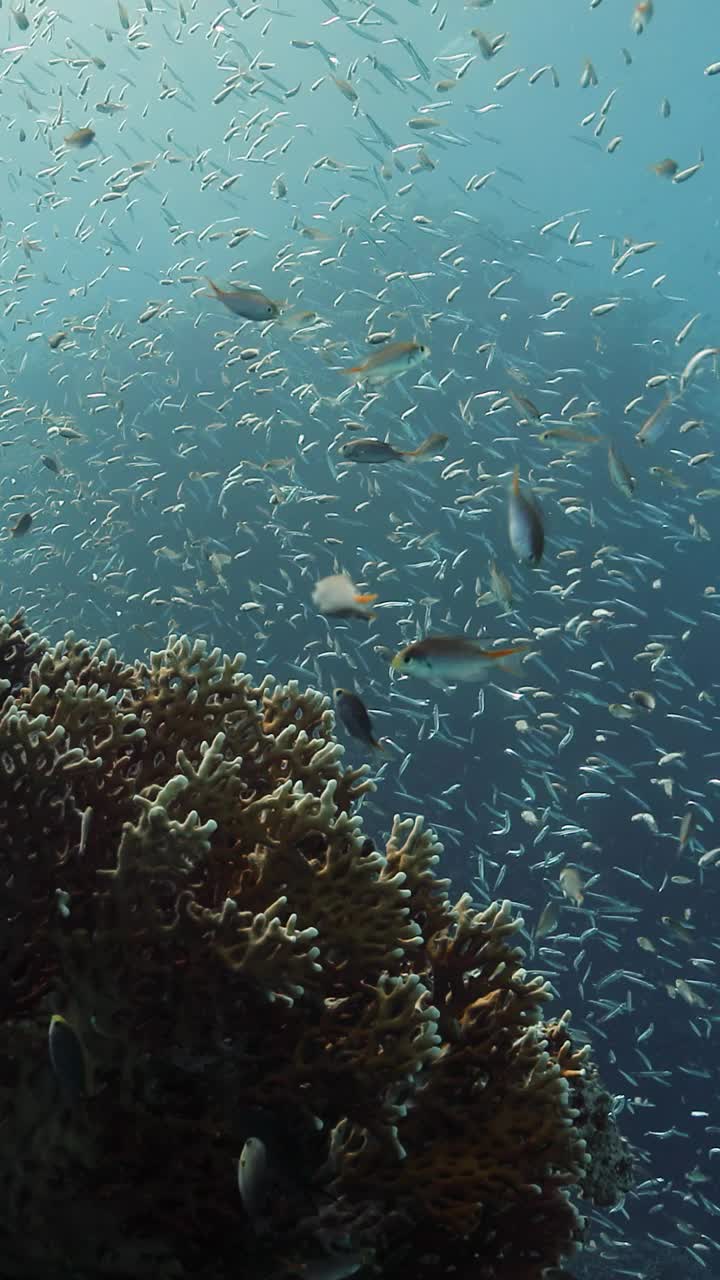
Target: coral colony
[(237, 1039)]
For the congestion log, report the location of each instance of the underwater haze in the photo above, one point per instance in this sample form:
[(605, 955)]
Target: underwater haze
[(423, 298)]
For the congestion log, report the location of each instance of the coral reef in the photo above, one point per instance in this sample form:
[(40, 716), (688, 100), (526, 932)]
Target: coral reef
[(187, 882)]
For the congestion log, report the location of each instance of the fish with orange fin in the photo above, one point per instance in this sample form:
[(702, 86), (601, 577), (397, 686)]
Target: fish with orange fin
[(391, 361), (450, 659), (642, 13), (251, 304), (337, 597), (525, 525)]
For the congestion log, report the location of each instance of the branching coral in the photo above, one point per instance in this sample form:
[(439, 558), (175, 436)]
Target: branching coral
[(185, 880)]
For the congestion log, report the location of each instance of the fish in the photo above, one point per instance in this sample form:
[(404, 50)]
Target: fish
[(572, 885), (525, 405), (21, 18), (22, 525), (253, 1173), (567, 436), (353, 714), (548, 922), (251, 304), (369, 449), (391, 361), (525, 525), (80, 138), (655, 425), (687, 827), (51, 463), (642, 13), (500, 586), (455, 658), (643, 699), (620, 473), (67, 1058), (337, 597), (684, 932), (666, 168)]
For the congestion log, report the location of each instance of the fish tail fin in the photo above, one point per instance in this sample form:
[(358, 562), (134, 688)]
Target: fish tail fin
[(433, 442), (367, 598), (510, 660)]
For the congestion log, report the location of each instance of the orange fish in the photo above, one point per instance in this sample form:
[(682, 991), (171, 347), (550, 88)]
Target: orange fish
[(389, 362), (642, 13)]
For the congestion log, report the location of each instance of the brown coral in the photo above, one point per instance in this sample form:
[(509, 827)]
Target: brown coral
[(186, 881)]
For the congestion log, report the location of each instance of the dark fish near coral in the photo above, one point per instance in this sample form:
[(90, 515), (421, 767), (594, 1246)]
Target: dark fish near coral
[(525, 526), (22, 525), (80, 138), (354, 715), (67, 1057), (369, 449), (251, 304)]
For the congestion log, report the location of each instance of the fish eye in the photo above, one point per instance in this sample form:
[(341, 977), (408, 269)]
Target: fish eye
[(406, 657)]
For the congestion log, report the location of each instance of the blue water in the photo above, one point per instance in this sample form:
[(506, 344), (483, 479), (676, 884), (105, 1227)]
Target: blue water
[(121, 541)]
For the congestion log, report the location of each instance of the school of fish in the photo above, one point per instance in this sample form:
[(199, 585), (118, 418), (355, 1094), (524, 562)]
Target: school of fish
[(293, 359)]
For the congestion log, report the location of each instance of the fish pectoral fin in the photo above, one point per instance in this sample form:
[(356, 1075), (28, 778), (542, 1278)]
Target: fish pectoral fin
[(367, 598)]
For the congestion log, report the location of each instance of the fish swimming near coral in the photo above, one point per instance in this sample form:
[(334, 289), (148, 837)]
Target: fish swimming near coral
[(354, 715), (337, 597), (440, 659)]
